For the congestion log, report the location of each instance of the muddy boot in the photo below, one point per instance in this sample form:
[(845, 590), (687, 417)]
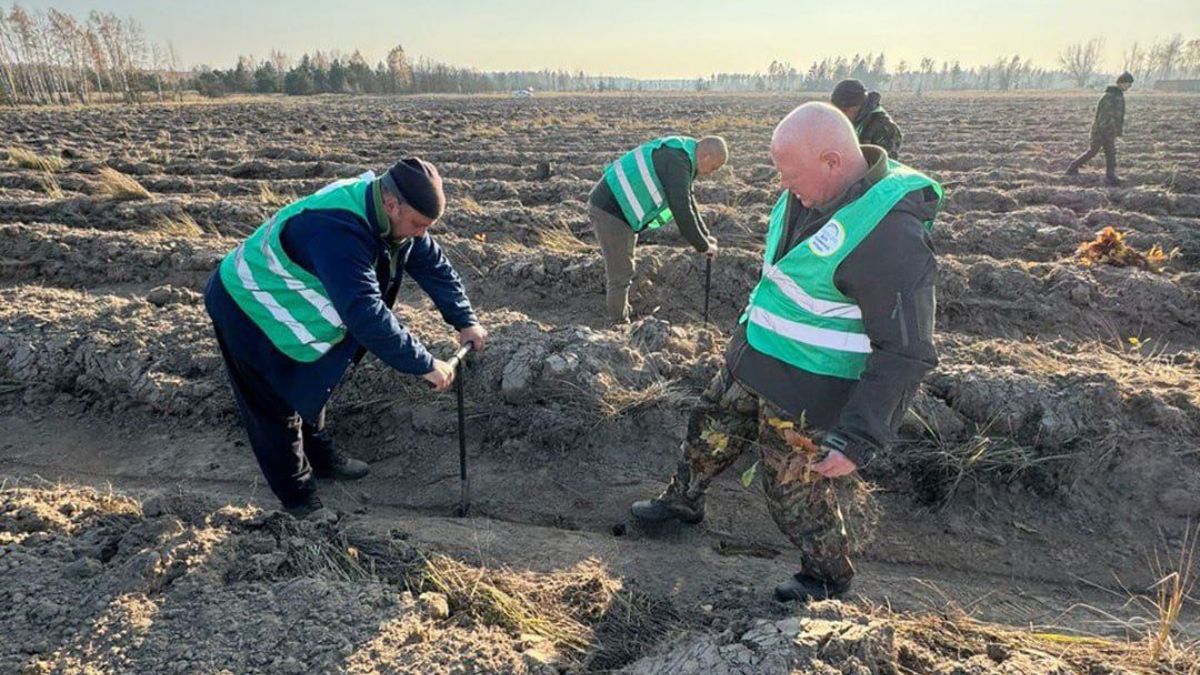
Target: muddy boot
[(667, 507), (339, 466), (313, 511), (803, 588), (1112, 180)]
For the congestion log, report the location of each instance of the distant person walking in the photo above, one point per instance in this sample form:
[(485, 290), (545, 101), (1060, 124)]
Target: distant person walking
[(647, 188), (1108, 125), (872, 124)]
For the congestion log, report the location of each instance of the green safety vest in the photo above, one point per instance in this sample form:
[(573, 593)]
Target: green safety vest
[(284, 300), (796, 312), (636, 186)]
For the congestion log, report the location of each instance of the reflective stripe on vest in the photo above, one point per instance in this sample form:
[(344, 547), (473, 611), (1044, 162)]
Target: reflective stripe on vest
[(636, 185), (796, 312), (288, 303)]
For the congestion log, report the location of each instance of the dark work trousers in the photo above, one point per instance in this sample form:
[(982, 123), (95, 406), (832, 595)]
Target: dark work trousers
[(286, 447), (1109, 145)]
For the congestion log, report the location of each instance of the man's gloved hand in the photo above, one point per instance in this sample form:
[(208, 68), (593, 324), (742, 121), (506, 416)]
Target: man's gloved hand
[(476, 334), (830, 462)]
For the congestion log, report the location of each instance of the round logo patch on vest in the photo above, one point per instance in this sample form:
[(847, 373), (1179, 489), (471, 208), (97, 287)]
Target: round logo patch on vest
[(828, 239)]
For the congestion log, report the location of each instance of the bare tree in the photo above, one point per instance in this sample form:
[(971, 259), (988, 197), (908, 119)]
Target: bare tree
[(1010, 71), (1191, 58), (1081, 59), (1169, 52), (9, 63), (176, 77), (1133, 59), (399, 69), (71, 40), (927, 65)]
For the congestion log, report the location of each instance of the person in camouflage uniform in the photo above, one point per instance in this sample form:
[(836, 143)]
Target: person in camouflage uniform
[(872, 123), (1108, 125), (833, 396)]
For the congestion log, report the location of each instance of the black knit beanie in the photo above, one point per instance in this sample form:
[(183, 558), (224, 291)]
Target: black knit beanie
[(419, 184)]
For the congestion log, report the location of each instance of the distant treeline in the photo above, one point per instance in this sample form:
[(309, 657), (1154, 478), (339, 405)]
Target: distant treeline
[(54, 57)]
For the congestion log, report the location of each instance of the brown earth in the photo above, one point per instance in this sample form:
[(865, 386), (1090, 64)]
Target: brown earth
[(1052, 453)]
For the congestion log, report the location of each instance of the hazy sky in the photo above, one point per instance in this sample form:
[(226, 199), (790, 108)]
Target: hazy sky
[(663, 38)]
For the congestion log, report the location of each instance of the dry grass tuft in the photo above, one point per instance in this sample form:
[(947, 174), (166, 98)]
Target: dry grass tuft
[(1109, 247), (958, 637), (50, 185), (947, 464), (182, 225), (118, 186), (1176, 581), (27, 159), (559, 238), (617, 399), (270, 197), (589, 616)]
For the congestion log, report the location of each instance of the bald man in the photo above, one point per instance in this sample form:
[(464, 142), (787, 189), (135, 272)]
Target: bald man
[(647, 188), (831, 348)]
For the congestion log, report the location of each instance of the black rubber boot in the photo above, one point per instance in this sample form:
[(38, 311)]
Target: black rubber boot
[(1073, 170), (312, 510), (330, 463), (1112, 180), (803, 588), (339, 466), (661, 510)]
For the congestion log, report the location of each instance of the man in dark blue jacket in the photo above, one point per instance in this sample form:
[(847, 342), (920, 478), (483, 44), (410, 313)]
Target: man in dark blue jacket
[(308, 294)]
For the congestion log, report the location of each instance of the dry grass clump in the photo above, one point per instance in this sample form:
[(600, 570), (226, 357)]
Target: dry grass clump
[(180, 225), (617, 399), (588, 615), (50, 185), (27, 159), (1176, 581), (923, 640), (270, 197), (118, 186), (1109, 247), (559, 238)]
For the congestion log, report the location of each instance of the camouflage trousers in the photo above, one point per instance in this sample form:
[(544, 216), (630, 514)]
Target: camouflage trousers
[(731, 420)]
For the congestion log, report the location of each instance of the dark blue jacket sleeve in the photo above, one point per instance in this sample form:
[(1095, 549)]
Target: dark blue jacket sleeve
[(340, 251), (429, 267)]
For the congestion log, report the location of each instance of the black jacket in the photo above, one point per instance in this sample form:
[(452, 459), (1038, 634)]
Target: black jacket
[(674, 171), (1110, 115), (876, 127), (891, 276)]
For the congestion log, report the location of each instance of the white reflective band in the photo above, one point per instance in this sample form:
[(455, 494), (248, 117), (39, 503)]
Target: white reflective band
[(825, 308), (818, 337), (322, 305), (646, 178), (280, 313), (628, 190)]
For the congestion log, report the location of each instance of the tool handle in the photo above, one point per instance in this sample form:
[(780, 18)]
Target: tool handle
[(460, 355), (707, 286), (456, 361)]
